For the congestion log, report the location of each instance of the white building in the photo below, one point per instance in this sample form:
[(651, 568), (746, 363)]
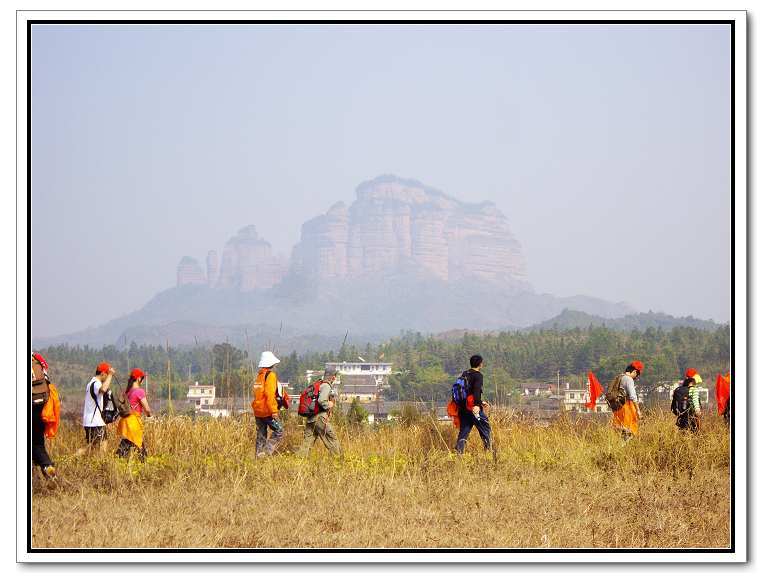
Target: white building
[(362, 380), (576, 400), (537, 389), (380, 371), (205, 402), (202, 397)]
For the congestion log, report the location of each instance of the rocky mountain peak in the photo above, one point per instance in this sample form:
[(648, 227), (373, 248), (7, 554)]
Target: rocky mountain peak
[(401, 224)]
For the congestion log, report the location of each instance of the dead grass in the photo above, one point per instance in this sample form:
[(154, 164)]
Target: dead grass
[(571, 484)]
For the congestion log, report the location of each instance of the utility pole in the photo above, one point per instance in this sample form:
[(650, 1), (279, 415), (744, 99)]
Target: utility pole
[(227, 381), (169, 379), (557, 383), (251, 367), (495, 387)]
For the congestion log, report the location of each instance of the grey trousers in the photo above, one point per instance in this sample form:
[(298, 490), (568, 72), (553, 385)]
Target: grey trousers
[(267, 445), (319, 429)]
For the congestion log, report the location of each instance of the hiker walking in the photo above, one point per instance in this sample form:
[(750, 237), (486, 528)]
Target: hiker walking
[(318, 412), (92, 413), (471, 410), (130, 427), (265, 406), (686, 405), (45, 415), (623, 401)]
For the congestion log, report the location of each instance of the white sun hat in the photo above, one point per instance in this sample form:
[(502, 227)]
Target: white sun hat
[(268, 359)]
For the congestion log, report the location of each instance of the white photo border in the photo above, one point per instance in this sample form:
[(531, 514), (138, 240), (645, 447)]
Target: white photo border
[(738, 281)]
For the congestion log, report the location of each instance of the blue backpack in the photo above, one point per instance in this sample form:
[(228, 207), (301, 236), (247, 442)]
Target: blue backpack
[(460, 390)]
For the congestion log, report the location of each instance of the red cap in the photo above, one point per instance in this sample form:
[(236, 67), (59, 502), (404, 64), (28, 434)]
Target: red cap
[(136, 373), (104, 368), (690, 372), (638, 365), (38, 357)]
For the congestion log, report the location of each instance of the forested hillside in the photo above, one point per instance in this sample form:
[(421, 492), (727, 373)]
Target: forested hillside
[(424, 365)]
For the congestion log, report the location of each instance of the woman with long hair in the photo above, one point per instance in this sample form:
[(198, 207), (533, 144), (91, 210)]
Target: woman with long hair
[(131, 427)]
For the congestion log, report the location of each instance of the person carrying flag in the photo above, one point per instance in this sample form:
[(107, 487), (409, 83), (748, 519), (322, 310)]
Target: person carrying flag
[(626, 418)]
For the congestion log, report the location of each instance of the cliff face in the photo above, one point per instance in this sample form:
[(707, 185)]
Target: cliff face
[(397, 224), (394, 227), (189, 272), (322, 250), (247, 264)]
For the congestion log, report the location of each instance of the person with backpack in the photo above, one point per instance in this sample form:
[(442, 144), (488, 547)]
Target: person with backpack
[(130, 425), (97, 395), (44, 398), (471, 406), (685, 404), (316, 404), (265, 406), (623, 400)]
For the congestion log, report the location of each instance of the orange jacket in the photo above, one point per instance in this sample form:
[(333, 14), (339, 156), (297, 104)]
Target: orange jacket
[(51, 412), (265, 404)]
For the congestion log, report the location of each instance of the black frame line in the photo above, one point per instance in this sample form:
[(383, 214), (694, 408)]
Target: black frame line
[(373, 550)]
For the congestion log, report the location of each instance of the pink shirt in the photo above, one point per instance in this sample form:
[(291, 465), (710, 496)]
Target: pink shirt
[(134, 396)]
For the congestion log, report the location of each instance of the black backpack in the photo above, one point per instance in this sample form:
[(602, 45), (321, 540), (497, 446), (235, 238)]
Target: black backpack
[(681, 404), (109, 413)]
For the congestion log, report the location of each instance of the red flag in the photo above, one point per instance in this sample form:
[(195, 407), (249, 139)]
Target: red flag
[(722, 390), (595, 390)]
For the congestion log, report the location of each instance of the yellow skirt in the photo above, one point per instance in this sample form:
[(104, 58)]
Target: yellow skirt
[(626, 417), (131, 428)]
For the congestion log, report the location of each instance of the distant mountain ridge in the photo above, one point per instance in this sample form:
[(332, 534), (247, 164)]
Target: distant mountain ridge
[(569, 319), (286, 338), (377, 308), (402, 256)]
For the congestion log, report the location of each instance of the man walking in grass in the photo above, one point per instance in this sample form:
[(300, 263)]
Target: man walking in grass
[(318, 426), (473, 413), (92, 414), (626, 417)]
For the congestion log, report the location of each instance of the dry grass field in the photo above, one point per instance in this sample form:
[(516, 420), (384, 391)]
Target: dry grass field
[(571, 484)]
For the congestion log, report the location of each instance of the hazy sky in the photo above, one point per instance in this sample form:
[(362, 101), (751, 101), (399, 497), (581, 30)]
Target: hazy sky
[(607, 147)]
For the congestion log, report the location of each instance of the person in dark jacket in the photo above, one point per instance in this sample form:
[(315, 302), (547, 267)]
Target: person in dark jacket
[(473, 414)]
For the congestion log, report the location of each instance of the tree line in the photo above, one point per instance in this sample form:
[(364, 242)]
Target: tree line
[(424, 365)]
